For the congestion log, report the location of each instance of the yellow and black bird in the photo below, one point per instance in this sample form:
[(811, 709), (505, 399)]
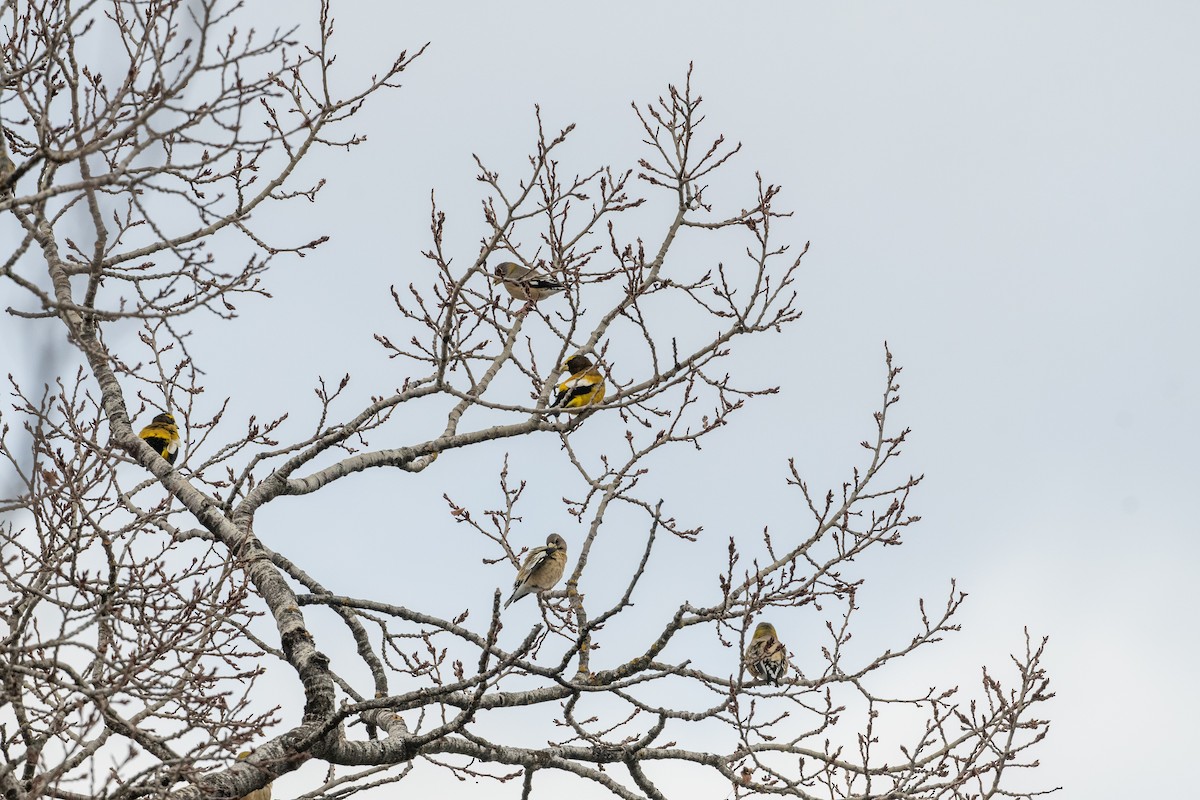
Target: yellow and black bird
[(542, 569), (163, 435), (584, 387), (258, 794), (525, 283), (766, 657)]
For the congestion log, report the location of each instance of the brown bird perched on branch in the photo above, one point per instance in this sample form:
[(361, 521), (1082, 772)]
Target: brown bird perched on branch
[(766, 657), (584, 388), (542, 569), (526, 283), (258, 794), (163, 435), (7, 167)]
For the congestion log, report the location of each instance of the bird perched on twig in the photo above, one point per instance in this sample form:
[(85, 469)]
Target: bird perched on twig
[(542, 569), (766, 657), (584, 388), (7, 167), (258, 794), (163, 435), (525, 283)]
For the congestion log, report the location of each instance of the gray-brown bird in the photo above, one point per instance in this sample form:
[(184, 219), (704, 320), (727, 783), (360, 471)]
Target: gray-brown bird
[(7, 167), (525, 283), (766, 657), (542, 569)]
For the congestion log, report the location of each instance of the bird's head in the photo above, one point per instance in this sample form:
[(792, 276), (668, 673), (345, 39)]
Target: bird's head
[(556, 542), (165, 419), (575, 364), (764, 630), (503, 270)]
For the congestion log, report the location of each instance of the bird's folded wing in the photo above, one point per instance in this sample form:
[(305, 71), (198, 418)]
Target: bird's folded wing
[(535, 559)]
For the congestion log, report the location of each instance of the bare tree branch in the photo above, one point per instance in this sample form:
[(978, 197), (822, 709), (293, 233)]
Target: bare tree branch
[(140, 607)]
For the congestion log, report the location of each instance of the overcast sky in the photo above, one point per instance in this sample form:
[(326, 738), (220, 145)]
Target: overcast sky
[(1007, 195)]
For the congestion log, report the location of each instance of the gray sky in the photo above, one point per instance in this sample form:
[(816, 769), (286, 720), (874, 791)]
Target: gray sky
[(1006, 194)]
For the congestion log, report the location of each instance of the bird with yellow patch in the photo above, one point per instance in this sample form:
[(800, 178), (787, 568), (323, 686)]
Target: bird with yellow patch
[(584, 387), (766, 657), (163, 435), (525, 283), (542, 569), (258, 794)]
